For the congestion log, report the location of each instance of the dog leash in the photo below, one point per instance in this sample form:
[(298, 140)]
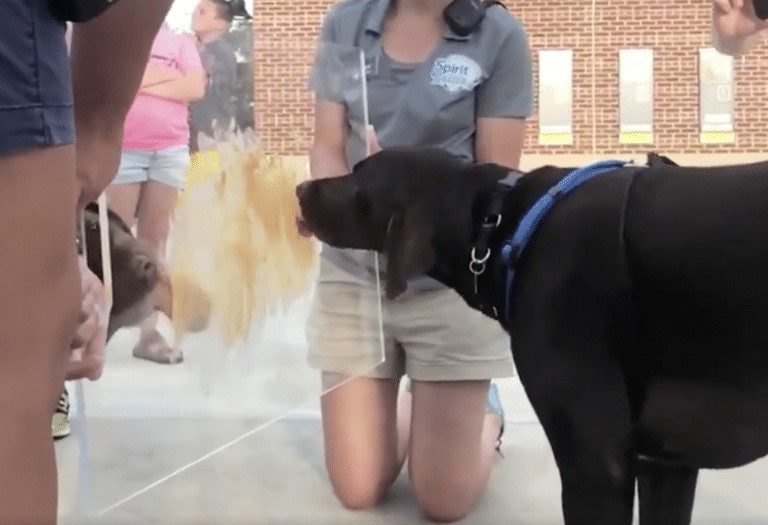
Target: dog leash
[(514, 246)]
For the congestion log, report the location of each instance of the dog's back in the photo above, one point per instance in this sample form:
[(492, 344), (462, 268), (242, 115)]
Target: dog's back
[(697, 240)]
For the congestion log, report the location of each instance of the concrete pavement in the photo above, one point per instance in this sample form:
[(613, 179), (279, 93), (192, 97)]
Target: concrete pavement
[(166, 445)]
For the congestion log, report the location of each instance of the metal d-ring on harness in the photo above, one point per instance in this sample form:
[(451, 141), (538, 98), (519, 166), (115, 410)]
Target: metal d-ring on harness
[(514, 246), (481, 253)]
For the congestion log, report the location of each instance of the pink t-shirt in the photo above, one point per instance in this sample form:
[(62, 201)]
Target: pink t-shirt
[(155, 123)]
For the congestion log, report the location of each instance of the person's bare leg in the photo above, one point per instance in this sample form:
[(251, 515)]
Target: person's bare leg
[(155, 211), (452, 446), (361, 439), (123, 199), (39, 309)]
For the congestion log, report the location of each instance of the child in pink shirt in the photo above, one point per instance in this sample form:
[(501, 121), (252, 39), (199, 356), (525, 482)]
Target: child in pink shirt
[(155, 157), (157, 121)]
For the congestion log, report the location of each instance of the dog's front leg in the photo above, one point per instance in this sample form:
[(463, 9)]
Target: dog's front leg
[(598, 479), (587, 422), (582, 406), (666, 493)]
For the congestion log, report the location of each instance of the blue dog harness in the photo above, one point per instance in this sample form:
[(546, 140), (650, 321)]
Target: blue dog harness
[(512, 248)]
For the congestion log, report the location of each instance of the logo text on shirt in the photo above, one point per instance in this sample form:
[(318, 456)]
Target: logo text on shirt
[(455, 72)]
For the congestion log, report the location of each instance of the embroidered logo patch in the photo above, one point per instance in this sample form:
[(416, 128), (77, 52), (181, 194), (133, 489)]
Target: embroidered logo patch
[(455, 72)]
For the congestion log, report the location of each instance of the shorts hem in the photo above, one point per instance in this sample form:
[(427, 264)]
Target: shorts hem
[(496, 369), (129, 180), (36, 127), (351, 367)]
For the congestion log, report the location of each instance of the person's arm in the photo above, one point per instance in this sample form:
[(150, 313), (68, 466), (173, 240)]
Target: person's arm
[(108, 57), (735, 27), (327, 156), (188, 87), (190, 82), (158, 74), (505, 100)]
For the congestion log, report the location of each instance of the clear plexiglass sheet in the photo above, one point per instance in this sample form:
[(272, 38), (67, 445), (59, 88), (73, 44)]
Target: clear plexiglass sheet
[(251, 320)]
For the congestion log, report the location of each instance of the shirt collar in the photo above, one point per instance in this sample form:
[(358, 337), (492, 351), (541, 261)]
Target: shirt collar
[(378, 13)]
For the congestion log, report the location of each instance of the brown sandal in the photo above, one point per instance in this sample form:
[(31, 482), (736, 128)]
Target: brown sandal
[(153, 347)]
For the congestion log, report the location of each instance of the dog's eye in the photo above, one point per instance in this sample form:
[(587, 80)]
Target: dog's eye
[(362, 204)]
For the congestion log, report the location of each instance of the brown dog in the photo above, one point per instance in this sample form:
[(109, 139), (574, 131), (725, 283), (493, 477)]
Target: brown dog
[(134, 270), (138, 287)]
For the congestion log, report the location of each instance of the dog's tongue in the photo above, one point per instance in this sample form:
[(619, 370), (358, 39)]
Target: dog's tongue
[(303, 227)]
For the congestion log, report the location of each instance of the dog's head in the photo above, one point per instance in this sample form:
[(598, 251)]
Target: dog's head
[(402, 202), (134, 269), (139, 286)]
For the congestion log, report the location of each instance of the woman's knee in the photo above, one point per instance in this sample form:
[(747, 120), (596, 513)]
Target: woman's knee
[(360, 434), (441, 504), (360, 480), (446, 467), (359, 490)]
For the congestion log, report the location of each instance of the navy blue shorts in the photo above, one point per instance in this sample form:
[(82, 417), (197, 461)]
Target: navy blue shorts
[(35, 91)]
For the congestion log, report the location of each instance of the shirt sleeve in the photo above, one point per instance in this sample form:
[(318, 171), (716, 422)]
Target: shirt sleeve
[(328, 73), (508, 91), (189, 56)]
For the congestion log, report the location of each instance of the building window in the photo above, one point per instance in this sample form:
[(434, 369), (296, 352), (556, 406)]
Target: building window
[(556, 96), (635, 96), (715, 97)]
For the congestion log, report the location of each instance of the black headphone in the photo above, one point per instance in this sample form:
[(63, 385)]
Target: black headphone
[(464, 16)]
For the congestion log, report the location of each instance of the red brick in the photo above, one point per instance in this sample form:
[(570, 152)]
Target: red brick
[(285, 33)]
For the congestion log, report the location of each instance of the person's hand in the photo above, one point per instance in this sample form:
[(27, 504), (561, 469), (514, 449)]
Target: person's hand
[(736, 18), (90, 338)]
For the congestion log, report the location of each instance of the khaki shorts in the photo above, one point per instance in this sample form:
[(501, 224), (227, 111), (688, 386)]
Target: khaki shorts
[(428, 335)]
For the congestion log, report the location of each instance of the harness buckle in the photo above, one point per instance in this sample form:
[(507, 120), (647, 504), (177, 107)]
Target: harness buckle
[(492, 221)]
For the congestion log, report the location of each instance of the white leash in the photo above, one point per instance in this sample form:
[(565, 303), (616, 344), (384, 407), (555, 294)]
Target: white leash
[(83, 504)]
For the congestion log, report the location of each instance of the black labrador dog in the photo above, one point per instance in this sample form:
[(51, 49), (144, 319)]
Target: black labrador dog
[(638, 310)]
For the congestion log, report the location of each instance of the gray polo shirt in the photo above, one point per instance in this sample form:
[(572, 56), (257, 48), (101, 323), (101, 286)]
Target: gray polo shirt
[(434, 103)]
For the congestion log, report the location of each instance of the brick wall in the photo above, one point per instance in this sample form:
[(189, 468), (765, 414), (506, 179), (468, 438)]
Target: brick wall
[(285, 32)]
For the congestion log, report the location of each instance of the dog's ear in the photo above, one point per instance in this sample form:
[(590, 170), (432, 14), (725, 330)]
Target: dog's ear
[(408, 248)]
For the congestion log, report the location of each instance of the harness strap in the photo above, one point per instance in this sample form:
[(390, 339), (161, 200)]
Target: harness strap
[(481, 253), (513, 247)]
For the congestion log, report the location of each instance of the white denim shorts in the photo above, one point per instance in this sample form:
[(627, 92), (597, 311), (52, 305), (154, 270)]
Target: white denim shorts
[(168, 166)]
